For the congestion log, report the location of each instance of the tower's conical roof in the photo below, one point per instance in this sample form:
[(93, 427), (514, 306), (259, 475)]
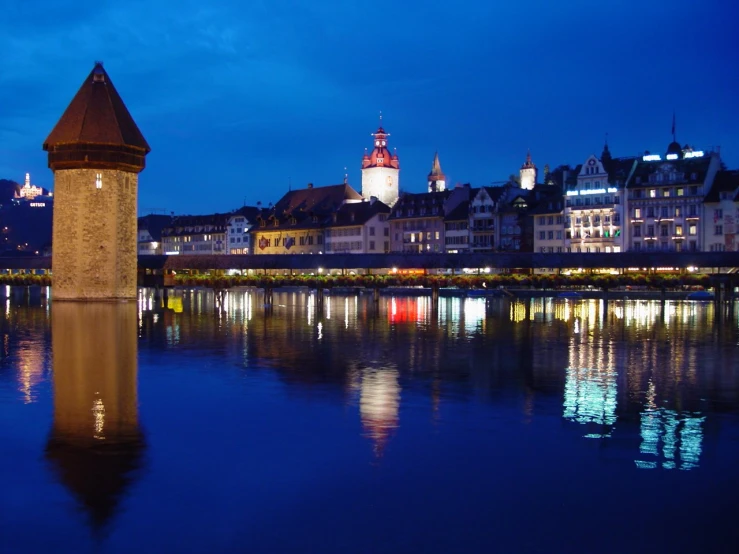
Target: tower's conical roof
[(97, 115), (436, 166), (96, 122)]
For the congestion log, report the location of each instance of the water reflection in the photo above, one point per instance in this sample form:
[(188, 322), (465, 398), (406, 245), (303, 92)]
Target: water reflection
[(96, 443), (379, 403)]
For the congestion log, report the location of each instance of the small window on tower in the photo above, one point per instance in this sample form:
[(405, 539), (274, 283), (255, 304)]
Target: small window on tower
[(99, 180)]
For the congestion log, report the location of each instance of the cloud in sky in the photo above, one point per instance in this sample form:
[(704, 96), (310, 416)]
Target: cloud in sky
[(239, 99)]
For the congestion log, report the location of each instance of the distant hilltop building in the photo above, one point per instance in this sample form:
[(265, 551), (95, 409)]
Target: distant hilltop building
[(96, 152), (380, 170), (29, 191)]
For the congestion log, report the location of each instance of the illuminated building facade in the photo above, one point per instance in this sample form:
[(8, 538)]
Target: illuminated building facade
[(198, 235), (417, 222), (296, 224), (665, 200), (549, 227), (359, 228), (482, 219), (721, 211), (96, 152), (238, 239), (594, 216), (381, 170)]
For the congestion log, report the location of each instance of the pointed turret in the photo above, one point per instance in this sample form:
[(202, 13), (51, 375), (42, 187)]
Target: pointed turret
[(436, 179)]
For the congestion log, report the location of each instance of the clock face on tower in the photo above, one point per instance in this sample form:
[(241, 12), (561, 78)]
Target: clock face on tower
[(383, 143)]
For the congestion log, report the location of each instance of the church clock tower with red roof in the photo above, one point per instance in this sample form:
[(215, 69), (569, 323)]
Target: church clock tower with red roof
[(96, 152), (380, 170)]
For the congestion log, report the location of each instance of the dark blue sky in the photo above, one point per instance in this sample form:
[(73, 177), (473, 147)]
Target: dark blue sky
[(238, 99)]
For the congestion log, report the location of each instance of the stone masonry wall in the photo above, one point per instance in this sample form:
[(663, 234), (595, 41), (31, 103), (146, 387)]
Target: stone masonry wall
[(94, 235)]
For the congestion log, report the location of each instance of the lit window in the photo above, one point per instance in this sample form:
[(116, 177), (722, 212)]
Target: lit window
[(652, 193), (99, 180)]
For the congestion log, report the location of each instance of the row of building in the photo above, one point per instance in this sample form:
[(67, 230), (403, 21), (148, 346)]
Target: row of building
[(682, 200)]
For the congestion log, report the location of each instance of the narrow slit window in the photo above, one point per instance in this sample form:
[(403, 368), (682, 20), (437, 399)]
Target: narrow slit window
[(99, 180)]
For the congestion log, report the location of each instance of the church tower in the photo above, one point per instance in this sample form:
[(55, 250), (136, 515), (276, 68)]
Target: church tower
[(380, 170), (437, 179), (528, 173), (96, 152)]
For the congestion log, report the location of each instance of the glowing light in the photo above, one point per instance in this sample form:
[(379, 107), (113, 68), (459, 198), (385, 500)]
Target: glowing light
[(652, 158), (696, 154), (671, 157), (98, 412)]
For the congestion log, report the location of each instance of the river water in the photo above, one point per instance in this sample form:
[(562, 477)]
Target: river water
[(205, 423)]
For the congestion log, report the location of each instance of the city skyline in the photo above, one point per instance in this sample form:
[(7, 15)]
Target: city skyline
[(239, 106)]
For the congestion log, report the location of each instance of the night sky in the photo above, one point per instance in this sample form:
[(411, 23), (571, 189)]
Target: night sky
[(240, 99)]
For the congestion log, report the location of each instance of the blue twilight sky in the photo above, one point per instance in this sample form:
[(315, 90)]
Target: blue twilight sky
[(238, 99)]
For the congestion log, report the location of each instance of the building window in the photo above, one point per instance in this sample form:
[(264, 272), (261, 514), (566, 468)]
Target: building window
[(637, 231), (664, 230), (372, 245), (693, 190), (719, 230), (372, 231), (663, 211), (559, 234), (718, 214), (541, 220), (692, 230), (551, 220), (652, 193), (637, 246), (650, 211), (99, 180), (542, 235), (637, 213), (551, 235), (678, 211), (650, 230)]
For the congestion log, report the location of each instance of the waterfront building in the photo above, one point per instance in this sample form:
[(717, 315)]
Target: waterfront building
[(548, 224), (417, 222), (665, 199), (96, 152), (295, 225), (436, 178), (457, 219), (238, 239), (483, 208), (594, 202), (527, 173), (721, 208), (150, 233), (358, 228), (198, 235), (380, 170)]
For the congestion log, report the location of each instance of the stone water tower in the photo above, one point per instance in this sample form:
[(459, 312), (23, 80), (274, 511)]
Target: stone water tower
[(96, 152)]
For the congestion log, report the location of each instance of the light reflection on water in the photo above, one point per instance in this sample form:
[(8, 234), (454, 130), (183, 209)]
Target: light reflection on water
[(522, 388)]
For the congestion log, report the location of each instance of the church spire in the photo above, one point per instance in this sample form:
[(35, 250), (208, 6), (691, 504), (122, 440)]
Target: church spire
[(527, 173), (437, 179)]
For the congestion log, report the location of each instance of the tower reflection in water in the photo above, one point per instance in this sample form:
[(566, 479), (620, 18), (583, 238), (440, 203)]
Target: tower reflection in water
[(95, 443)]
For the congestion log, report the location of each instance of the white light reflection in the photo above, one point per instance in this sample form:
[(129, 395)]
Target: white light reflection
[(379, 404), (680, 435), (98, 412), (320, 330)]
